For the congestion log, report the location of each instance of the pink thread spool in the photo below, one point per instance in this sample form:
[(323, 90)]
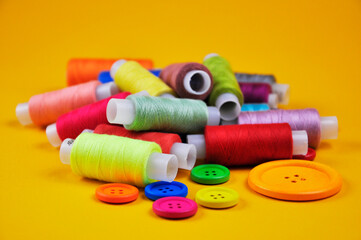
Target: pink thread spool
[(45, 108), (71, 124)]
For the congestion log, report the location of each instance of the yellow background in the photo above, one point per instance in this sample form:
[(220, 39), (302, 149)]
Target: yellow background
[(315, 46)]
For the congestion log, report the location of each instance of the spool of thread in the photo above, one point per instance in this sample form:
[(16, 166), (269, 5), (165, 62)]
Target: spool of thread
[(82, 70), (104, 76), (237, 145), (317, 128), (118, 159), (282, 90), (259, 93), (143, 113), (255, 78), (255, 107), (226, 94), (156, 72), (169, 142), (132, 77), (45, 108), (71, 124), (189, 80)]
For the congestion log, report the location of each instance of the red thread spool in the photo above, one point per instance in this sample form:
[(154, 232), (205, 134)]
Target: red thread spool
[(82, 70), (71, 124), (189, 80), (165, 140), (237, 145)]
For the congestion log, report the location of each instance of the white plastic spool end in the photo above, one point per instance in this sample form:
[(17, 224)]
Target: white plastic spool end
[(199, 142), (120, 111), (52, 135), (22, 113), (228, 106), (329, 127), (65, 150), (283, 92), (186, 154), (213, 116), (87, 131), (197, 82), (142, 93), (300, 142), (162, 167), (210, 56), (106, 90), (232, 122), (116, 65), (273, 100), (167, 95)]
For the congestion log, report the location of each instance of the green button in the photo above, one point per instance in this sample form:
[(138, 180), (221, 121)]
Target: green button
[(210, 174)]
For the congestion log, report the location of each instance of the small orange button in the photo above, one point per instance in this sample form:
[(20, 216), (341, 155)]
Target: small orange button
[(295, 180), (116, 193)]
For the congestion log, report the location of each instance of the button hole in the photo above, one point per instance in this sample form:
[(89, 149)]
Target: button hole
[(296, 175), (294, 181)]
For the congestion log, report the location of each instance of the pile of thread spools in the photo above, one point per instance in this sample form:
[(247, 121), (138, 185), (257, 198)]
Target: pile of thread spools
[(121, 121)]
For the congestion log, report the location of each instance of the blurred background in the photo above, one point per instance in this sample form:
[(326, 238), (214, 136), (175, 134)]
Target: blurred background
[(312, 45)]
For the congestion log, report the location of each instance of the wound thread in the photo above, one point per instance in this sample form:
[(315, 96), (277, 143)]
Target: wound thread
[(238, 145), (249, 107), (165, 140), (300, 119), (47, 107), (71, 124), (255, 92), (168, 114), (174, 76), (80, 70), (224, 80), (112, 158), (132, 77), (255, 78), (311, 155)]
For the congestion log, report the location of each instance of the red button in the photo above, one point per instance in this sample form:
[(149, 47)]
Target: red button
[(116, 193)]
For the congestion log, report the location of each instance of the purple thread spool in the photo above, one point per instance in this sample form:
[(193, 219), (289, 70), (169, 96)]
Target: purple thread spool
[(259, 93), (308, 119)]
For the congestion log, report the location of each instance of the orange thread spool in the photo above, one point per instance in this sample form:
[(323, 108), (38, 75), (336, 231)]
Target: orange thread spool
[(82, 70)]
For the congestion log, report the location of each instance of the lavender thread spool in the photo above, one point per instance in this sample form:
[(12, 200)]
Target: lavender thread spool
[(317, 128)]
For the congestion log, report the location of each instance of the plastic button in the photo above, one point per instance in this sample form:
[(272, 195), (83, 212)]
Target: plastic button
[(311, 154), (295, 180), (175, 207), (116, 193), (217, 197), (210, 174), (162, 189)]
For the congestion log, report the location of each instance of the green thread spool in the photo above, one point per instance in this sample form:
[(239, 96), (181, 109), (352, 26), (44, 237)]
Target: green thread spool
[(142, 113), (226, 94), (118, 159), (130, 76)]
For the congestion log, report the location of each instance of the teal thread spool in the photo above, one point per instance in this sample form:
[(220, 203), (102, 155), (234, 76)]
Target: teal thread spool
[(226, 94), (142, 113), (255, 107)]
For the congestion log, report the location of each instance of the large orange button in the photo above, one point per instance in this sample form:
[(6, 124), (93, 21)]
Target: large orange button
[(295, 180), (116, 193)]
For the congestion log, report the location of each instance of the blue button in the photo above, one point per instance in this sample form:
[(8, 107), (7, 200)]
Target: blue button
[(162, 189)]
